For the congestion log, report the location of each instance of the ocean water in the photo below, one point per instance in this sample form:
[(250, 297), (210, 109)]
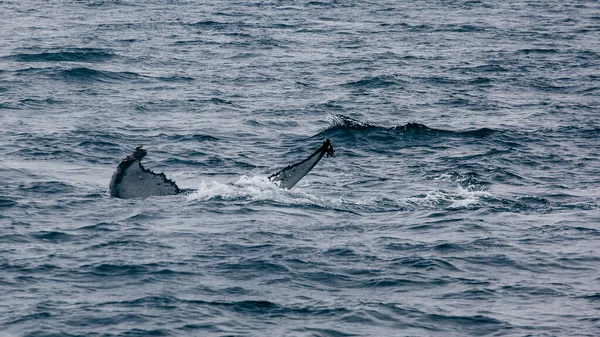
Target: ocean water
[(463, 199)]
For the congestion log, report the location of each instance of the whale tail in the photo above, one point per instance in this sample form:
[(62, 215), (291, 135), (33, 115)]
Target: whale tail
[(289, 176), (133, 180)]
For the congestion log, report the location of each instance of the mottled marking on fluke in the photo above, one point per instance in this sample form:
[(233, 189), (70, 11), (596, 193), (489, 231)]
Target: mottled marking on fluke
[(133, 180), (291, 175)]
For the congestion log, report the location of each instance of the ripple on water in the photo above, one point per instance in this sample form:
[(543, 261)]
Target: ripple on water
[(461, 200), (90, 55)]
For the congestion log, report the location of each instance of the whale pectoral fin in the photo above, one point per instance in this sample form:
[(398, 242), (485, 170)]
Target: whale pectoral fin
[(292, 174), (133, 180)]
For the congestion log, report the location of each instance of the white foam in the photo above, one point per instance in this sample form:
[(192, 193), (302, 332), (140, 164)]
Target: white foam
[(255, 188), (260, 188), (459, 198)]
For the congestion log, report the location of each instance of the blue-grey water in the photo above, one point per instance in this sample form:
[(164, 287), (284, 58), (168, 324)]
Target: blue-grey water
[(463, 199)]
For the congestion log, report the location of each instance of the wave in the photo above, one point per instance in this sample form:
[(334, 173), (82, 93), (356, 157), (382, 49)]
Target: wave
[(48, 187), (176, 78), (341, 124), (101, 227), (71, 55), (461, 28), (190, 137), (87, 74), (52, 236), (528, 51), (6, 202), (113, 269), (218, 25), (14, 238), (380, 81), (100, 3), (79, 74)]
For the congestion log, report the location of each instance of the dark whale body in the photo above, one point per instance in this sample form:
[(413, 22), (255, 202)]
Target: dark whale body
[(133, 180)]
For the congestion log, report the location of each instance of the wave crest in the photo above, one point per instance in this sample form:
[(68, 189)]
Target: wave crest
[(341, 123), (71, 55)]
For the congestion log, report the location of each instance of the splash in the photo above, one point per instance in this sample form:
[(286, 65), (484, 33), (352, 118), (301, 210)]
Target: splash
[(254, 188), (259, 188), (457, 199), (344, 122)]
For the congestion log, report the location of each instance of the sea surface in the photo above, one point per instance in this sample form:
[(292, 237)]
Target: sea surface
[(462, 200)]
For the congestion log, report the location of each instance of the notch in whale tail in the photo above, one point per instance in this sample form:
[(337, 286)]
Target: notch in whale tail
[(291, 175), (133, 180)]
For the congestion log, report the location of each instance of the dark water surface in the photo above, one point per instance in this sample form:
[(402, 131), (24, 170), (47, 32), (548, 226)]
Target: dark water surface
[(463, 199)]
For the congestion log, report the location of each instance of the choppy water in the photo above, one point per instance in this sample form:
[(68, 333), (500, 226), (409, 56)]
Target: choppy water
[(462, 200)]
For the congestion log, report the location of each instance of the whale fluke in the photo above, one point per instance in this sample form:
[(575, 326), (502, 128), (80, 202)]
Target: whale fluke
[(289, 176), (133, 180)]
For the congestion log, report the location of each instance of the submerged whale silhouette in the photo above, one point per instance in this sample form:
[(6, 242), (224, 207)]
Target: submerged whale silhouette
[(133, 180)]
